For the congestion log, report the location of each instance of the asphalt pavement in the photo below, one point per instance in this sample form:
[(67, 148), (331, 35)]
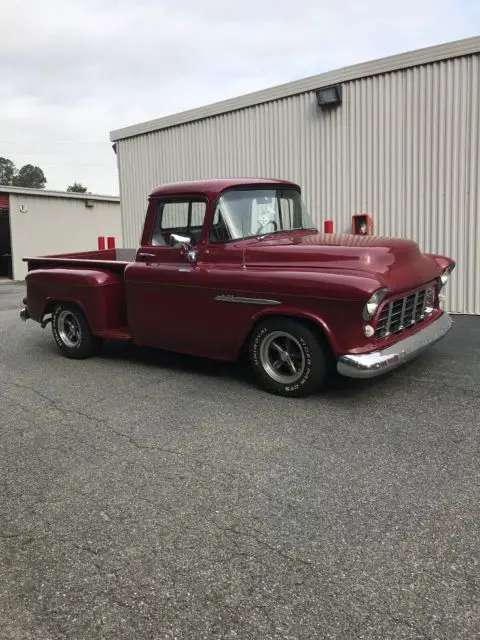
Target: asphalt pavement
[(145, 495)]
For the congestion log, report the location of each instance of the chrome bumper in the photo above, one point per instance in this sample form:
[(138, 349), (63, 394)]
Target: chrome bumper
[(369, 365)]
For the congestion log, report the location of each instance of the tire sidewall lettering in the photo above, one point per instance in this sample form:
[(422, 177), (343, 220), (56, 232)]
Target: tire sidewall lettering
[(256, 346)]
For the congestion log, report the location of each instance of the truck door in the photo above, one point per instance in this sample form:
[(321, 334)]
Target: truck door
[(164, 291)]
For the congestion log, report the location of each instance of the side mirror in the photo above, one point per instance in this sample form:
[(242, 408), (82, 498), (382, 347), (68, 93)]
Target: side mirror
[(185, 244), (176, 240)]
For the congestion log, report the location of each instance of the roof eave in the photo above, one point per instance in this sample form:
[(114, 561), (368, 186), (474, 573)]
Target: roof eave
[(57, 194), (388, 64)]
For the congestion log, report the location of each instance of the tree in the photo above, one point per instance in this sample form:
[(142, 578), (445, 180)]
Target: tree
[(7, 171), (30, 176), (77, 187)]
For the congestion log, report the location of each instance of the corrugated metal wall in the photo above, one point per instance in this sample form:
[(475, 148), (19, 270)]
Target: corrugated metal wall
[(58, 225), (403, 146)]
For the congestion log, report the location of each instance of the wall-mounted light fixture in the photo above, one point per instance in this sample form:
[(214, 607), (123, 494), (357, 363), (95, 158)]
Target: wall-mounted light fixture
[(328, 97), (89, 204)]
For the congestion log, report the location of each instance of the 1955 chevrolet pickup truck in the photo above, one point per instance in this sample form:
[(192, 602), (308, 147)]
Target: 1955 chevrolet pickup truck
[(232, 267)]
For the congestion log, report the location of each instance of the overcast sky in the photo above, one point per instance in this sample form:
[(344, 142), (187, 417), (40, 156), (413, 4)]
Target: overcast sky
[(70, 72)]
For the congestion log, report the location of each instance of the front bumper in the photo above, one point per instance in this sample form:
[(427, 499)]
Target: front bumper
[(370, 365)]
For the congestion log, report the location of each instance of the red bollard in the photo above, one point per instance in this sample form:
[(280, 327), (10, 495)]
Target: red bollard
[(101, 243), (111, 242), (328, 226)]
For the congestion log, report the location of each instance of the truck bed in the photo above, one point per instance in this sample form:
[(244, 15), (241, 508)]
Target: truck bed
[(112, 259)]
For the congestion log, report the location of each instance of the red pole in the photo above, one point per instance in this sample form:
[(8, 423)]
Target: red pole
[(111, 242), (328, 226), (101, 243)]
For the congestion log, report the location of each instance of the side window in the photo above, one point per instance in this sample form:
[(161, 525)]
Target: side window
[(198, 214), (175, 215), (184, 217)]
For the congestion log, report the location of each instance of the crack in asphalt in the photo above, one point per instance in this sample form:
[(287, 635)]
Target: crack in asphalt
[(133, 440), (263, 543), (102, 421)]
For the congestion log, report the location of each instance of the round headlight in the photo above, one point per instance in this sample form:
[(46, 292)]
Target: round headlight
[(429, 301), (446, 274), (370, 309)]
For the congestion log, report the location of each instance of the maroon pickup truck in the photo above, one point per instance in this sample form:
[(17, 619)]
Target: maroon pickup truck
[(232, 267)]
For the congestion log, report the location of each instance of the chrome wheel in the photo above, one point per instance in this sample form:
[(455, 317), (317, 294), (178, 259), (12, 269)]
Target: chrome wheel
[(282, 357), (69, 329)]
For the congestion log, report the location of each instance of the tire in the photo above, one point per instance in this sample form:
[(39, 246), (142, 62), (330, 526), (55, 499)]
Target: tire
[(307, 353), (72, 333)]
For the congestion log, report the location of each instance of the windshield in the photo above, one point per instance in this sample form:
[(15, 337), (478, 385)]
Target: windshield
[(256, 212)]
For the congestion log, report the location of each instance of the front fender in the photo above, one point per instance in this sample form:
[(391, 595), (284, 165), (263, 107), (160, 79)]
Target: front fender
[(293, 312), (339, 320), (442, 262)]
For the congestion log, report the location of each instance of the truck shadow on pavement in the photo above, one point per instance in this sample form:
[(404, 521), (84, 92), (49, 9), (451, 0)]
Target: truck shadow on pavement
[(240, 372)]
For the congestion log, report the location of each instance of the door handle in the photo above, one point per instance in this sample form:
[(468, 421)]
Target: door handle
[(142, 254)]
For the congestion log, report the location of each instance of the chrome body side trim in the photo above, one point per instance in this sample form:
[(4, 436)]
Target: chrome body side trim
[(370, 365), (245, 300)]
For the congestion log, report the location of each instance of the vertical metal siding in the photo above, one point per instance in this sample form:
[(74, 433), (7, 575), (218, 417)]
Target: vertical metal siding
[(58, 225), (404, 146), (472, 206)]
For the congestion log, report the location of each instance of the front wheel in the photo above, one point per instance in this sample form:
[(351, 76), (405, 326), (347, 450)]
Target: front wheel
[(288, 358), (72, 333)]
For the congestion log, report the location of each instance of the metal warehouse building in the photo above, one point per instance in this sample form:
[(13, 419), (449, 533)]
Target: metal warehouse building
[(402, 143), (37, 222)]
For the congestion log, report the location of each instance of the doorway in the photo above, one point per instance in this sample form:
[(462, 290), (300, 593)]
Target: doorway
[(5, 245)]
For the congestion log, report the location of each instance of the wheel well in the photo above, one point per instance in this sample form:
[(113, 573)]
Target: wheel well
[(51, 304), (314, 327)]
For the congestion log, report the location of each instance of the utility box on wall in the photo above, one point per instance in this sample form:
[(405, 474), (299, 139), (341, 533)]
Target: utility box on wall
[(362, 224)]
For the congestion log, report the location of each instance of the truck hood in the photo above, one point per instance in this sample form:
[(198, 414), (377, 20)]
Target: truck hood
[(397, 264)]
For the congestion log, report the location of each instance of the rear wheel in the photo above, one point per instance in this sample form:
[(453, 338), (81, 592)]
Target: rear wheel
[(72, 333), (288, 358)]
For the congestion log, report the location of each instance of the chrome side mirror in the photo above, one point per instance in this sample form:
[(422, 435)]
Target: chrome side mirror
[(184, 243), (176, 240), (192, 255)]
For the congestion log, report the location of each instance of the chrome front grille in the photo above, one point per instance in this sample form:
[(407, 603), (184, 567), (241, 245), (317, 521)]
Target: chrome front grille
[(404, 312)]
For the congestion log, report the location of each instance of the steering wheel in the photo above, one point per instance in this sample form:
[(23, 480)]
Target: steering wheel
[(263, 226)]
